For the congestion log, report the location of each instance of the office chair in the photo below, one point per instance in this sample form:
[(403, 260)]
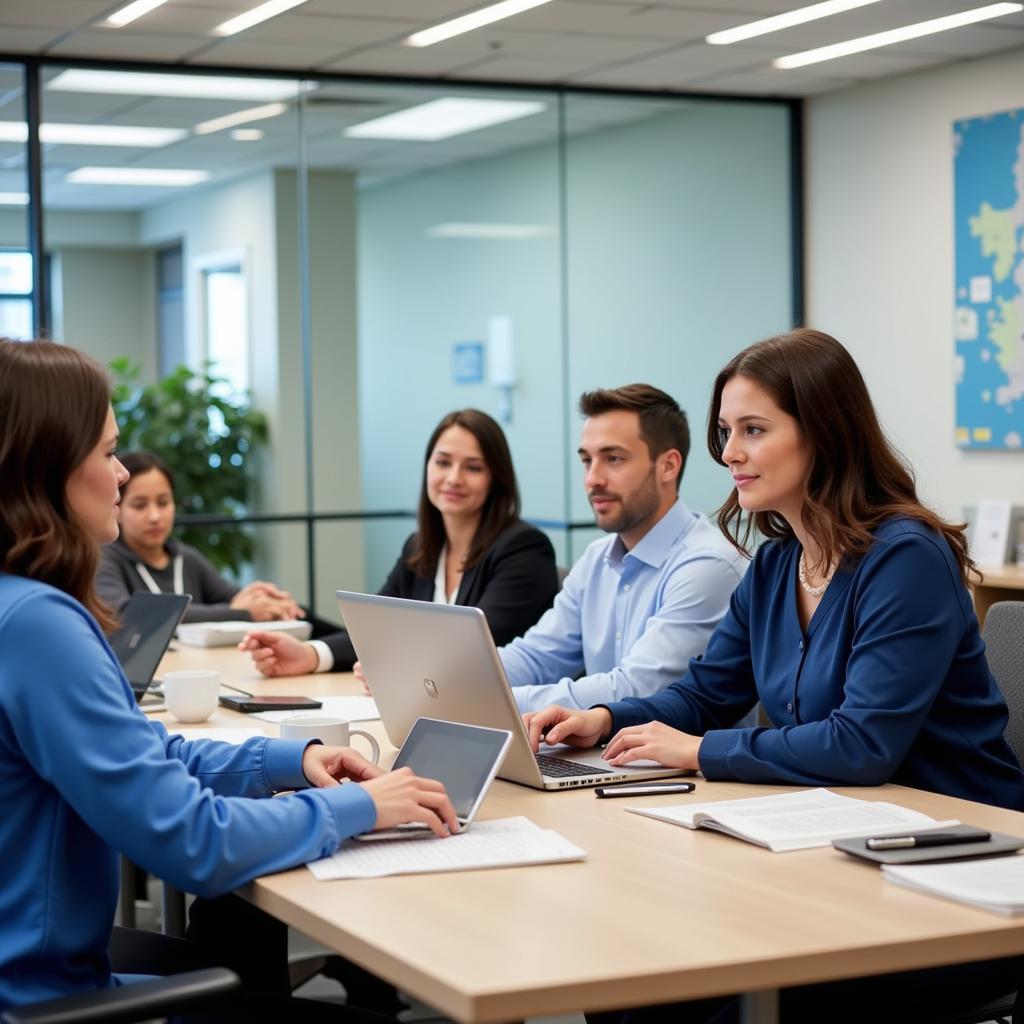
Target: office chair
[(144, 1001), (1004, 648)]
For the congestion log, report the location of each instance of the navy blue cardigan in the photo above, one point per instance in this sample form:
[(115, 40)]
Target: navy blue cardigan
[(888, 684)]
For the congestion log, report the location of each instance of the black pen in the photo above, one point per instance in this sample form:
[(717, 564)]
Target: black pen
[(926, 839)]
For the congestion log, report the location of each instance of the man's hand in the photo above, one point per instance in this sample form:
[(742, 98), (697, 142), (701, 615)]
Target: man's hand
[(357, 671), (277, 654), (654, 742), (562, 725), (327, 766), (400, 797)]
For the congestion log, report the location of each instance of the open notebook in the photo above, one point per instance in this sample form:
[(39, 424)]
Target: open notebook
[(795, 821)]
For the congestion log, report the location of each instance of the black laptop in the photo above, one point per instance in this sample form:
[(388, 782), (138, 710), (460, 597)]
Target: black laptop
[(148, 622)]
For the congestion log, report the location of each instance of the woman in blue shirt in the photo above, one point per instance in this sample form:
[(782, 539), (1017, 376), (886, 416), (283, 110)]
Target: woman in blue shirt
[(83, 774), (854, 626)]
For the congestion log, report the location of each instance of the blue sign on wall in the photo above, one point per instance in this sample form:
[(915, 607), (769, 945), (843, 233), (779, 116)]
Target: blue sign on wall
[(468, 362)]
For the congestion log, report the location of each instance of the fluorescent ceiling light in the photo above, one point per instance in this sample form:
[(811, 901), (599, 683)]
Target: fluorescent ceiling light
[(218, 124), (271, 9), (147, 83), (468, 22), (126, 15), (13, 199), (247, 134), (443, 118), (896, 35), (781, 21), (154, 176), (92, 134), (494, 232)]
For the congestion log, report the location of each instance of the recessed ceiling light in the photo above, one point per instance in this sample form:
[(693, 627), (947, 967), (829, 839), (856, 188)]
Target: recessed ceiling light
[(13, 199), (152, 176), (147, 83), (247, 134), (271, 9), (468, 22), (126, 15), (443, 118), (218, 124), (93, 134), (492, 232), (896, 35), (787, 20)]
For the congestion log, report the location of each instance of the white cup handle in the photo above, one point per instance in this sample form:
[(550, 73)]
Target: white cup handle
[(375, 756)]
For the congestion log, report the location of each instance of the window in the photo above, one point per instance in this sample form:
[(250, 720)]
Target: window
[(225, 321), (15, 294)]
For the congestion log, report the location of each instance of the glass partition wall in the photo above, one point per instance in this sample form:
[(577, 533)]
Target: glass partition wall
[(363, 257), (16, 291)]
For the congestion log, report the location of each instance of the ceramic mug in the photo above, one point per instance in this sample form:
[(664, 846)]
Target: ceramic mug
[(191, 696), (331, 731)]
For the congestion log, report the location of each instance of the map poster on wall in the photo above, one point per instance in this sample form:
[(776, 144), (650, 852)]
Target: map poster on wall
[(989, 318)]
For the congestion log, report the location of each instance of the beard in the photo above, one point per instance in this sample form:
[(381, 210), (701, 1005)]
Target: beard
[(633, 508)]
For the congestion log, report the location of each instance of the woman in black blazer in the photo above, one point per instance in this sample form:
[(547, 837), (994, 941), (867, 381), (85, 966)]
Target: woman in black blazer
[(470, 548)]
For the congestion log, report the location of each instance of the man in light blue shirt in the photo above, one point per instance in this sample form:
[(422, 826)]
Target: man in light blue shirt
[(639, 605)]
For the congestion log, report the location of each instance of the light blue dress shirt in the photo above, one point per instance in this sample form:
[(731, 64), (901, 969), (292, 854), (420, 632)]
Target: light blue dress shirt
[(629, 620)]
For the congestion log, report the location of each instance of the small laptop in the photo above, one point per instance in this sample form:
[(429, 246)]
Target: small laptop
[(464, 758), (148, 622), (439, 661)]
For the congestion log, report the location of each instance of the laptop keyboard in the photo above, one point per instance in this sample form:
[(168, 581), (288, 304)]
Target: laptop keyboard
[(560, 768)]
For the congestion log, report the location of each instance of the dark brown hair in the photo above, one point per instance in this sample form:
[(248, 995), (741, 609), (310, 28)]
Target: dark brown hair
[(663, 424), (857, 479), (138, 463), (53, 407), (499, 510)]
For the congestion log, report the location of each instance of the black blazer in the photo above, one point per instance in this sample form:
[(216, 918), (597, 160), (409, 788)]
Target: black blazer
[(513, 585)]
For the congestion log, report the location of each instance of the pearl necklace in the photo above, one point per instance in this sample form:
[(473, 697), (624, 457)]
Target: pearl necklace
[(801, 572)]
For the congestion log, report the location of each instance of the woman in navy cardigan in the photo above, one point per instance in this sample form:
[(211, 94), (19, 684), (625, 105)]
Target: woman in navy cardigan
[(854, 626), (470, 548)]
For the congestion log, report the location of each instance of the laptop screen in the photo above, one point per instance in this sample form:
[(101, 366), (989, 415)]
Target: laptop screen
[(148, 622)]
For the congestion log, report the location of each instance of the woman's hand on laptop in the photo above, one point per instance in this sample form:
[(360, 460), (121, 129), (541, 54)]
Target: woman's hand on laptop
[(654, 741), (327, 766), (400, 797), (277, 654), (563, 725)]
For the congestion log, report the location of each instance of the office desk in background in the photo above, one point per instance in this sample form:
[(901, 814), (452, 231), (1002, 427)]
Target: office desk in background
[(655, 914), (1001, 583)]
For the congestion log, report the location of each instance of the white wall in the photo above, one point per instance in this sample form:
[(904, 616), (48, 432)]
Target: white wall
[(879, 173)]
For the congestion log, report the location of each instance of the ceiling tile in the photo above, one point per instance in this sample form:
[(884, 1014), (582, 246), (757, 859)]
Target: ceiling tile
[(243, 52), (403, 60), (59, 14), (526, 69), (638, 19), (670, 68), (419, 11), (17, 39), (119, 43), (764, 85)]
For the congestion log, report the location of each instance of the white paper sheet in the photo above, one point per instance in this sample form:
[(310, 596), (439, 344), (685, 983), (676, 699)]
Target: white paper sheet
[(354, 709), (992, 883), (506, 842)]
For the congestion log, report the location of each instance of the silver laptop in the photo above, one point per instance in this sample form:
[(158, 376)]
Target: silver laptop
[(438, 661)]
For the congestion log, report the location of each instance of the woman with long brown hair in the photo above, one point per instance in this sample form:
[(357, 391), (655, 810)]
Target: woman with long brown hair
[(470, 548), (83, 774), (853, 627)]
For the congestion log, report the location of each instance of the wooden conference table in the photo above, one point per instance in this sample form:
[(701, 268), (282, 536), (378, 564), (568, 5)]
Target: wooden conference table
[(654, 914), (1000, 583)]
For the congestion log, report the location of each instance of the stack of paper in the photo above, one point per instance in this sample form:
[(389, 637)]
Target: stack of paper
[(506, 842), (352, 709), (994, 883), (225, 634), (796, 821)]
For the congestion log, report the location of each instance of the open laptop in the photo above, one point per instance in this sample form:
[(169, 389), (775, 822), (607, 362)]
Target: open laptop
[(439, 661), (148, 622)]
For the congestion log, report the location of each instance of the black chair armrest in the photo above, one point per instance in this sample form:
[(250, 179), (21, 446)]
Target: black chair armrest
[(142, 1001)]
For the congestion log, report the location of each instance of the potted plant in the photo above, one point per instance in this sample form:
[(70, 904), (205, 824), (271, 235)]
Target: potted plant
[(207, 436)]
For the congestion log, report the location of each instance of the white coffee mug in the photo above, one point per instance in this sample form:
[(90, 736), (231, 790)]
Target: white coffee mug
[(331, 731), (191, 696)]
